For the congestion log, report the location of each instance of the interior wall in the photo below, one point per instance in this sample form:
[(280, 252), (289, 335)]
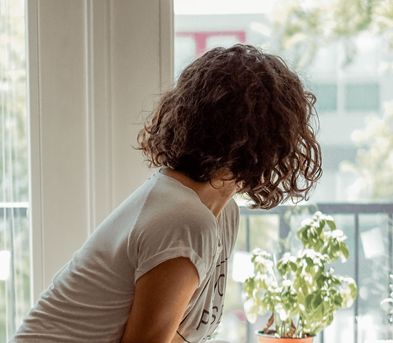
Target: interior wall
[(94, 65)]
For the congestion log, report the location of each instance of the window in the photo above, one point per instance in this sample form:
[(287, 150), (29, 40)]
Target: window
[(345, 75), (79, 137), (14, 225)]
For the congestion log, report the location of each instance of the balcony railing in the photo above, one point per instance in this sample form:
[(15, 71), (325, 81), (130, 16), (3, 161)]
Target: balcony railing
[(14, 266)]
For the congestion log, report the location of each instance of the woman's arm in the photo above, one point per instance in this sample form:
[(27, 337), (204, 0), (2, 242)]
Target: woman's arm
[(161, 298)]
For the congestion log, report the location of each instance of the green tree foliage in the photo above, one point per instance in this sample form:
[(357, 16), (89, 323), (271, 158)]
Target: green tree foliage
[(374, 159), (13, 123), (303, 26)]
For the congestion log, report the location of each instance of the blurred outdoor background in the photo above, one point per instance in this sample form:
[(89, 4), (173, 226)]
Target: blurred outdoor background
[(343, 51), (14, 224)]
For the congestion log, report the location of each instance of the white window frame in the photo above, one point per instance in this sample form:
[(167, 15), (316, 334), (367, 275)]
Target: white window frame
[(92, 65)]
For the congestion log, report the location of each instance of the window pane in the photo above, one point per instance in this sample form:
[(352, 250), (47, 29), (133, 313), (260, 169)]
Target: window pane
[(362, 97), (184, 52), (326, 97), (14, 225)]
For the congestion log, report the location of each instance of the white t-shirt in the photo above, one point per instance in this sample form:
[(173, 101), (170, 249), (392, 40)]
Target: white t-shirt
[(91, 297)]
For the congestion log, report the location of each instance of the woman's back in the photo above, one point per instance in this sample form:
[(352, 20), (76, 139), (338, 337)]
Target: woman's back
[(91, 297)]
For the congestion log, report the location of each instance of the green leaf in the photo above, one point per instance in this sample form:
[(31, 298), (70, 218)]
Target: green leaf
[(249, 286), (309, 261), (335, 281), (261, 307), (317, 300), (301, 299), (320, 280), (353, 289), (331, 223), (280, 266), (348, 292), (308, 302), (338, 300), (344, 250), (251, 310), (335, 247)]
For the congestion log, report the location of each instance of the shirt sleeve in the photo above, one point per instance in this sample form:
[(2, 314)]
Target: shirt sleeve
[(181, 234)]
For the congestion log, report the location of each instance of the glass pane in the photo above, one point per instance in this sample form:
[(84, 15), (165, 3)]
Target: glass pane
[(14, 224), (345, 57), (373, 276), (362, 97), (343, 327), (326, 97)]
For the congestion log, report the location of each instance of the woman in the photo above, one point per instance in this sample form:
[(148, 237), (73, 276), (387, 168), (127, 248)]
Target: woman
[(238, 121)]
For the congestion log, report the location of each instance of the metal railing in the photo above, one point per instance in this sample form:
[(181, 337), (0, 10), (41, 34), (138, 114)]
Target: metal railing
[(338, 208), (9, 213)]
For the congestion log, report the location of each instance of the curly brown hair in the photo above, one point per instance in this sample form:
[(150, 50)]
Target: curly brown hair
[(242, 110)]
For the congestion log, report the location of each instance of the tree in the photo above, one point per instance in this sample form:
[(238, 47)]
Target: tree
[(13, 123), (304, 26), (374, 159)]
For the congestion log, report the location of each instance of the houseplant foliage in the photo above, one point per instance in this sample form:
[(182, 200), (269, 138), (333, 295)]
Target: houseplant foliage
[(301, 291)]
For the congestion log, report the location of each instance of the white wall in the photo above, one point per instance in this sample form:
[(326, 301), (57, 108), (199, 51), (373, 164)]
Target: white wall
[(93, 66)]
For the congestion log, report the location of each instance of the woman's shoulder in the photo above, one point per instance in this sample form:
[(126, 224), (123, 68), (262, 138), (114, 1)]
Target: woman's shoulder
[(171, 206)]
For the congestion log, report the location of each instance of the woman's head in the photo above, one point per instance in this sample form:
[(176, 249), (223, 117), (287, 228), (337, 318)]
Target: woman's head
[(243, 111)]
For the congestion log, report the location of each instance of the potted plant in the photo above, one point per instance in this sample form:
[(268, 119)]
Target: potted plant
[(301, 291)]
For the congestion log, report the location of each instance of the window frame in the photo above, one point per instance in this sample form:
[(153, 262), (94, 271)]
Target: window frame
[(89, 78)]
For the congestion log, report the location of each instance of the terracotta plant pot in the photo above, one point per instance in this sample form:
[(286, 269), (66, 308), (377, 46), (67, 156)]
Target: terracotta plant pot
[(262, 338)]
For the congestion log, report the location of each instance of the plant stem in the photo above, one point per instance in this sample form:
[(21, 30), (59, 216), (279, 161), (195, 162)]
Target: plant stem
[(274, 275), (269, 322), (277, 325), (299, 327)]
